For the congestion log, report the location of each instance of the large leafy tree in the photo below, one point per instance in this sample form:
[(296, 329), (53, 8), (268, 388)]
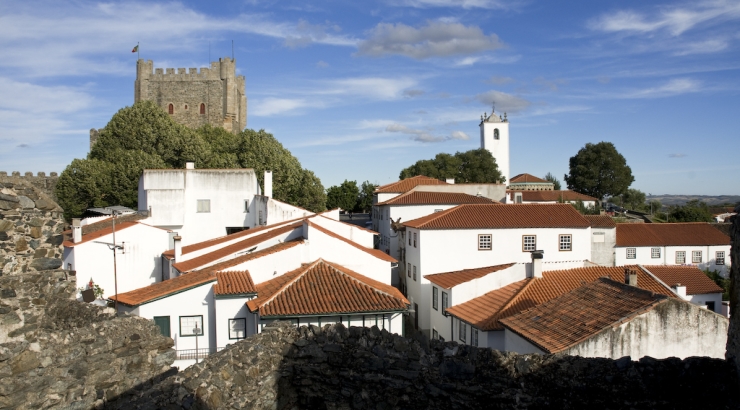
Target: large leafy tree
[(365, 200), (693, 211), (632, 199), (474, 166), (343, 196), (144, 136), (599, 170)]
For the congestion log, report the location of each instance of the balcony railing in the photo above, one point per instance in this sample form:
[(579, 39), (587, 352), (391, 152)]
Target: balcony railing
[(192, 354)]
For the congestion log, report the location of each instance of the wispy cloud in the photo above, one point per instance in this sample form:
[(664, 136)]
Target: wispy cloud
[(702, 47), (503, 101), (413, 93), (499, 80), (425, 135), (374, 87), (435, 39), (551, 85), (673, 87), (465, 4), (277, 106), (676, 155)]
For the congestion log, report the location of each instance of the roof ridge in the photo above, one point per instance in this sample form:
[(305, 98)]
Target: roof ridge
[(290, 282), (363, 283)]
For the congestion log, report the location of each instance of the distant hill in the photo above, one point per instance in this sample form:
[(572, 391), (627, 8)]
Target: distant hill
[(682, 199)]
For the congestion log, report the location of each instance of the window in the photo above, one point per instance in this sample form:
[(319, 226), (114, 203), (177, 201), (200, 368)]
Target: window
[(445, 302), (204, 205), (163, 323), (463, 330), (237, 328), (414, 273), (529, 243), (680, 257), (246, 205), (435, 334), (566, 242), (188, 325), (710, 305), (414, 239), (202, 108), (696, 257), (408, 271), (719, 258), (631, 253), (484, 242), (435, 293), (473, 336), (171, 109), (186, 106), (495, 133), (655, 253)]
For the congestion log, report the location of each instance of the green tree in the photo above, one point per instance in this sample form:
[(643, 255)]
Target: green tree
[(308, 193), (474, 166), (85, 183), (599, 170), (555, 182), (583, 209), (343, 196), (365, 200), (633, 199), (693, 211)]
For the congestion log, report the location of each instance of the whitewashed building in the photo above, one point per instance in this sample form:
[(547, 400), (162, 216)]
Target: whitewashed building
[(609, 319), (550, 197), (691, 284), (603, 239), (695, 243)]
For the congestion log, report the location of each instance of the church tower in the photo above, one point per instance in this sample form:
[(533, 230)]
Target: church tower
[(494, 136)]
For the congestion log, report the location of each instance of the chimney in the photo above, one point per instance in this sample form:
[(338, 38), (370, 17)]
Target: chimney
[(76, 230), (537, 257), (178, 248), (190, 165), (268, 184), (680, 290), (630, 277), (450, 181)]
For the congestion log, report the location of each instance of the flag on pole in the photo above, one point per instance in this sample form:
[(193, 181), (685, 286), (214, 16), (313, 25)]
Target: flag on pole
[(136, 49)]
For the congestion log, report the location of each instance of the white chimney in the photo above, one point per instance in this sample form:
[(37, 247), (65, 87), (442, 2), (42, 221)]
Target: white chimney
[(178, 248), (76, 230), (630, 277), (268, 184), (680, 290), (450, 181), (537, 257), (190, 165)]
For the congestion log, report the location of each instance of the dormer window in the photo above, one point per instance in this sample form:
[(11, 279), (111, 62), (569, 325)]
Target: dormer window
[(171, 109), (495, 133)]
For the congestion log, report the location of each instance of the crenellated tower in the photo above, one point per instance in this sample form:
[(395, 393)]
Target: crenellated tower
[(193, 97)]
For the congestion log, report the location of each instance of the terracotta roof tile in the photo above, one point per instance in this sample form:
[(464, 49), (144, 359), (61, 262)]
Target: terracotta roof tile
[(254, 255), (234, 283), (670, 234), (575, 316), (407, 184), (492, 216), (696, 281), (600, 221), (324, 288), (218, 254), (448, 280), (553, 196), (165, 288), (375, 252), (436, 198), (484, 312), (97, 234), (525, 178)]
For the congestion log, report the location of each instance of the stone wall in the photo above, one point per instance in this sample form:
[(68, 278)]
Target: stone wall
[(359, 368), (56, 352), (47, 184), (31, 226)]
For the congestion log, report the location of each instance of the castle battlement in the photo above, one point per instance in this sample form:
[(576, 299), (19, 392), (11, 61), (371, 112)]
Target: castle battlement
[(219, 70)]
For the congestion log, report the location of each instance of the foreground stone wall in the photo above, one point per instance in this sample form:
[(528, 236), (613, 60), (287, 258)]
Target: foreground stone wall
[(360, 368), (31, 226), (56, 352)]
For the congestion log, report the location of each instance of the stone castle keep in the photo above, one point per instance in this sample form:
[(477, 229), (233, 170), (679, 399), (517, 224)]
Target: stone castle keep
[(214, 95)]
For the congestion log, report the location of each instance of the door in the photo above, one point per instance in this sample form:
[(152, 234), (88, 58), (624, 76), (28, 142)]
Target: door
[(163, 323), (416, 316)]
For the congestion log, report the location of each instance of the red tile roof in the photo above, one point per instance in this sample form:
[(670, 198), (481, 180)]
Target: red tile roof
[(375, 252), (407, 184), (493, 216), (573, 317), (696, 281), (600, 221), (436, 198), (484, 312), (448, 280), (221, 253), (234, 283), (100, 233), (553, 196), (324, 288), (254, 255), (670, 234), (527, 178), (165, 288)]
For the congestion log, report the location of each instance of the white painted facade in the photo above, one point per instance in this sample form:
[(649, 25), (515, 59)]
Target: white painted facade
[(494, 136), (389, 240), (603, 241), (138, 261), (667, 255), (229, 309)]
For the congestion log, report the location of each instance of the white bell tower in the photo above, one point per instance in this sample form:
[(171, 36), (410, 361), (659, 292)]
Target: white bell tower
[(494, 136)]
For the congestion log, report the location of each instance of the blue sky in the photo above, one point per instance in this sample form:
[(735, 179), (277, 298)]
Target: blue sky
[(361, 90)]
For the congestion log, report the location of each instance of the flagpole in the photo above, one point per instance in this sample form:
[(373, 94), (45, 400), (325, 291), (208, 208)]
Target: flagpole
[(138, 57)]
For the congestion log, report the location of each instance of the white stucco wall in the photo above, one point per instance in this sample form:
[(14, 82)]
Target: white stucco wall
[(603, 241), (515, 343), (702, 299), (138, 264), (232, 308), (499, 148), (668, 256), (273, 265), (406, 213), (354, 233)]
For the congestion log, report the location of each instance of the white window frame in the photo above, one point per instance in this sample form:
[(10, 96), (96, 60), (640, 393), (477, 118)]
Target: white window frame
[(414, 273), (696, 256), (565, 242), (462, 331), (529, 243), (187, 323), (414, 239), (680, 257), (435, 296), (719, 258), (203, 206), (233, 329), (631, 253), (445, 301), (485, 242), (655, 253)]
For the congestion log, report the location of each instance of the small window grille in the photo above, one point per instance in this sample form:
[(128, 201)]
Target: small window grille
[(529, 243), (655, 253), (435, 292), (719, 258), (696, 257), (566, 242), (484, 242), (680, 257), (631, 253)]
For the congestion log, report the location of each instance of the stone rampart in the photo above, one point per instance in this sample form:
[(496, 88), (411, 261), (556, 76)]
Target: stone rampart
[(56, 352), (45, 183)]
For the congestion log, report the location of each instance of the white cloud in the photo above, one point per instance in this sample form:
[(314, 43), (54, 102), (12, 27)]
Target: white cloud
[(413, 93), (436, 39), (425, 135), (372, 87), (504, 102), (465, 4), (673, 19), (273, 106), (673, 87), (322, 64), (676, 155), (551, 85), (703, 47), (459, 135)]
